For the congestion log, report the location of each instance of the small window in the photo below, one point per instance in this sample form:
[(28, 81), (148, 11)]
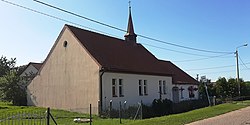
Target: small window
[(114, 92), (140, 88), (145, 88), (160, 90), (120, 88), (182, 89), (65, 43), (191, 91), (164, 87)]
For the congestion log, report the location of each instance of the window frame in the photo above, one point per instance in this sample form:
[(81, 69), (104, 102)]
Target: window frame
[(160, 86), (114, 88), (140, 91), (164, 87), (120, 84), (145, 87)]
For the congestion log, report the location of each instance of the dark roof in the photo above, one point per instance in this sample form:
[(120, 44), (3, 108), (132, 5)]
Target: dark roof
[(179, 76), (117, 55), (36, 65)]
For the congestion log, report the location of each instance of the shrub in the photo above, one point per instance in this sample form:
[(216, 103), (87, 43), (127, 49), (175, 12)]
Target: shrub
[(188, 105), (157, 108)]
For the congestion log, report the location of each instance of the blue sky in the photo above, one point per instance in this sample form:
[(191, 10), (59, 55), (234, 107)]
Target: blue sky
[(215, 25)]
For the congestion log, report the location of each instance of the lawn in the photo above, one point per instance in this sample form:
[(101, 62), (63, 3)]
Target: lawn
[(66, 118)]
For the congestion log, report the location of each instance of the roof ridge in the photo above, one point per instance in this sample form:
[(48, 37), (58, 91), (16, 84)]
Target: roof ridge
[(67, 25), (35, 63)]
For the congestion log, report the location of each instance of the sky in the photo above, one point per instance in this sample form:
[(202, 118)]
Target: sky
[(214, 25)]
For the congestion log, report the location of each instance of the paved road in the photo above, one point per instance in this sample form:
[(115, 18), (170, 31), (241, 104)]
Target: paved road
[(238, 117)]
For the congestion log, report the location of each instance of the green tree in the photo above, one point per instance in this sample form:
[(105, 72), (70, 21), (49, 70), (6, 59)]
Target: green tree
[(245, 88), (232, 88), (221, 87), (6, 65), (13, 88), (229, 88)]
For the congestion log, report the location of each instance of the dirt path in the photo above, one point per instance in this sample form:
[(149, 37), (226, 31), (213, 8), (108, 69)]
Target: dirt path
[(238, 117)]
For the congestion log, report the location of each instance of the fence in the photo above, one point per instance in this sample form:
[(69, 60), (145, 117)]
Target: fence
[(41, 117), (132, 112), (24, 118)]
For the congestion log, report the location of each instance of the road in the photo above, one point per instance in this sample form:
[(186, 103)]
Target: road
[(238, 117)]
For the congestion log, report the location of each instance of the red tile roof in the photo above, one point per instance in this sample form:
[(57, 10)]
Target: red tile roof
[(178, 75), (116, 55)]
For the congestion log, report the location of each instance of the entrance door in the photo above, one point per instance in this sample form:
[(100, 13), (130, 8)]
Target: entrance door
[(175, 92)]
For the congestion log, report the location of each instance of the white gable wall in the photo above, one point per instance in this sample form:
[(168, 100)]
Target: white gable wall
[(69, 78), (185, 92), (131, 89), (29, 70)]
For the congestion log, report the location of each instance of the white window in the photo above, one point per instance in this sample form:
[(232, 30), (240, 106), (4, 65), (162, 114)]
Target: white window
[(164, 87), (120, 88), (114, 88), (140, 88), (145, 88)]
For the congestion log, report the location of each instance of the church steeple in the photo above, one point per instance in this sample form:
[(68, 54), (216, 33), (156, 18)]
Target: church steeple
[(130, 36)]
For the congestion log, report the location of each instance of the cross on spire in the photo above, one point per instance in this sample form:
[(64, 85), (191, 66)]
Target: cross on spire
[(129, 4)]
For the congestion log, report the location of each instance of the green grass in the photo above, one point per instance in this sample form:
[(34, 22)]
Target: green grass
[(66, 118), (195, 115)]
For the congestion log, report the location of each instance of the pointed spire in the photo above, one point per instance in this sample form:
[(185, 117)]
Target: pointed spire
[(130, 36)]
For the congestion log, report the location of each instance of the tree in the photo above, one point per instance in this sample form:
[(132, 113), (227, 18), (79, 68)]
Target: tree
[(210, 89), (232, 88), (6, 65), (221, 87), (229, 88), (12, 86), (245, 88)]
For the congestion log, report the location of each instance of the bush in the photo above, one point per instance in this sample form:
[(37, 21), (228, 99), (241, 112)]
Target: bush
[(188, 105), (157, 108)]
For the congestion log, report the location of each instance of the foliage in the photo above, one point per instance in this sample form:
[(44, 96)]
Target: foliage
[(6, 65), (162, 107), (12, 86), (245, 88), (225, 89), (189, 105), (229, 88), (211, 90)]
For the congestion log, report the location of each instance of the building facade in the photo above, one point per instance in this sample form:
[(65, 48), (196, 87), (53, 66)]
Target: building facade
[(85, 67)]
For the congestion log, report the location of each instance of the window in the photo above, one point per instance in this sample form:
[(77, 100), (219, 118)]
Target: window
[(120, 88), (160, 91), (191, 91), (145, 88), (65, 43), (182, 89), (164, 87), (114, 92), (140, 87)]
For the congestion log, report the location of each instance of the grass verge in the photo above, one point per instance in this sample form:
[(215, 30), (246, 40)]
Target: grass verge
[(195, 115), (66, 118)]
